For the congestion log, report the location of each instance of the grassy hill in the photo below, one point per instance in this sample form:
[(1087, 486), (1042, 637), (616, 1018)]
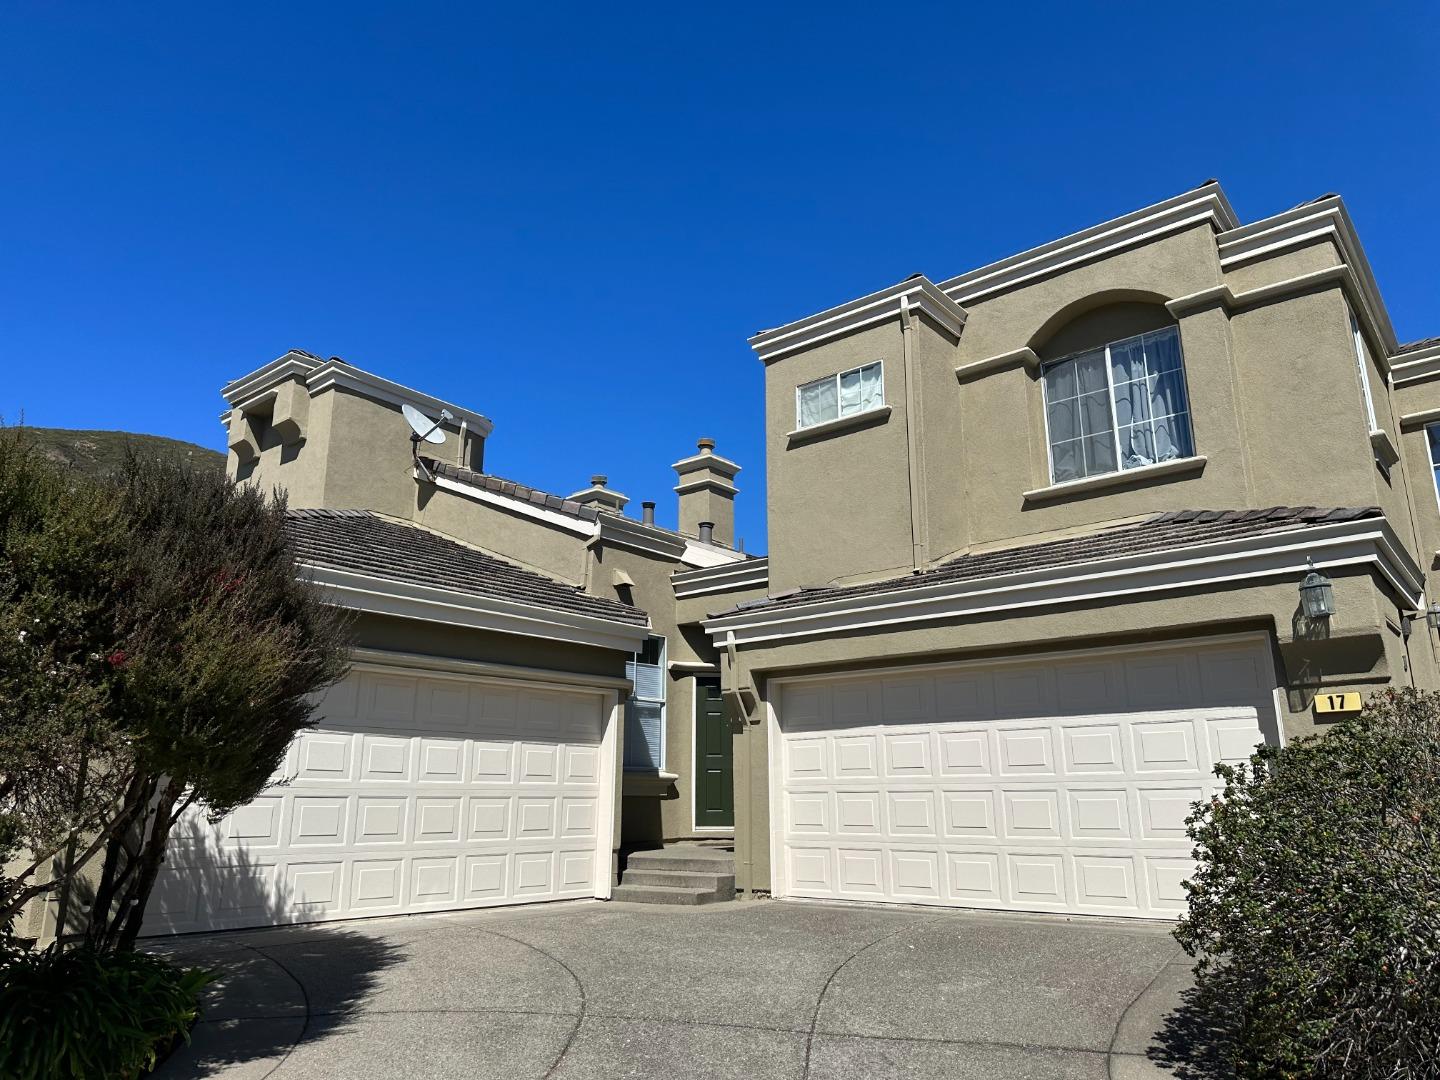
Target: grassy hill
[(99, 452)]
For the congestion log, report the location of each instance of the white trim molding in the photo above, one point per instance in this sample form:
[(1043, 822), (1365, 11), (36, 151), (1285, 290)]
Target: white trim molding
[(575, 525), (1415, 366), (1324, 218), (917, 293), (733, 577), (1205, 204), (1022, 357), (319, 375), (1118, 479), (868, 418), (1283, 553), (384, 596)]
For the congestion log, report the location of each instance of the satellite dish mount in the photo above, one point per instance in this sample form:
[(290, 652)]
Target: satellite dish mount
[(423, 429)]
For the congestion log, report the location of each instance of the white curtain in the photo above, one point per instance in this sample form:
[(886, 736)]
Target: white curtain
[(818, 403)]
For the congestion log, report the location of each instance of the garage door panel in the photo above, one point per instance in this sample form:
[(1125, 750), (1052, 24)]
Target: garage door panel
[(1093, 749), (382, 820), (442, 761), (1099, 814), (965, 753), (860, 873), (1106, 882), (385, 758), (423, 816), (906, 754), (969, 812), (1025, 751), (857, 757), (857, 813), (809, 812), (985, 798)]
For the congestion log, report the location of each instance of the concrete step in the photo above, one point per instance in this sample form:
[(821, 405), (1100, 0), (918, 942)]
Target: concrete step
[(665, 894), (687, 879), (695, 859)]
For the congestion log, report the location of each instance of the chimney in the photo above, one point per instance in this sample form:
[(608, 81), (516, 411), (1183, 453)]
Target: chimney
[(599, 494), (707, 532), (707, 493), (647, 512)]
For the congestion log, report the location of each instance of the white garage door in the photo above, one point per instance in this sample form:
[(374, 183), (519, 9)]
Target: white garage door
[(1043, 785), (413, 793)]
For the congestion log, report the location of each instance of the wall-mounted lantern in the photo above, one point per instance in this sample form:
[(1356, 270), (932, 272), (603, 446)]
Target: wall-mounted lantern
[(1432, 616), (1317, 595)]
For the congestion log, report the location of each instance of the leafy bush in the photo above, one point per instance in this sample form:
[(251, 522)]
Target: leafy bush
[(1315, 910), (90, 1015)]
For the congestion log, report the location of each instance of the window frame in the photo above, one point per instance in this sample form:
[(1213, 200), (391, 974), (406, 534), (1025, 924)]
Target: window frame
[(663, 701), (1434, 465), (1362, 364), (1119, 469), (800, 425)]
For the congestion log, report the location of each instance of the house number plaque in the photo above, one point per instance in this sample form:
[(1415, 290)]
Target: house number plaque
[(1337, 703)]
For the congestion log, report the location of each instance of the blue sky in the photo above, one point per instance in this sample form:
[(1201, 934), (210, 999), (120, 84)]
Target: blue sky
[(571, 217)]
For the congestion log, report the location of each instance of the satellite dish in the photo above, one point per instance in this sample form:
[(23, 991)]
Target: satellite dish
[(425, 429)]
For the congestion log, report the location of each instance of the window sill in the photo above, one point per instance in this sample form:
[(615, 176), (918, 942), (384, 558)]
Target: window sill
[(1385, 451), (1120, 479), (833, 427)]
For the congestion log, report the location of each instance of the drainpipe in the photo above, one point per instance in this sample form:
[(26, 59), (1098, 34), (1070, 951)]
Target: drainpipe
[(919, 545)]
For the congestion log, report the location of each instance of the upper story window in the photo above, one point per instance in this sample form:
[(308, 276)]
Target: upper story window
[(1432, 437), (1362, 357), (844, 394), (1117, 407), (645, 711)]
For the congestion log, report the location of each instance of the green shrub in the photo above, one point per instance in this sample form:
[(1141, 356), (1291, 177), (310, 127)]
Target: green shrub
[(96, 1016), (1315, 909)]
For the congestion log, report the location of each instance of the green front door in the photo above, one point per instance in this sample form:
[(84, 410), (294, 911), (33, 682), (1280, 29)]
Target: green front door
[(714, 781)]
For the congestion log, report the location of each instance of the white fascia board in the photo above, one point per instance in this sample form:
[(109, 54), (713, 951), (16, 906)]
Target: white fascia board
[(1303, 225), (1367, 541), (586, 529), (1204, 204), (706, 555), (877, 307), (753, 579), (1416, 366), (384, 596), (245, 389), (331, 374), (713, 573)]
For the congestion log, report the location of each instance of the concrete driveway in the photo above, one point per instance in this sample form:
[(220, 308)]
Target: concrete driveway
[(758, 989)]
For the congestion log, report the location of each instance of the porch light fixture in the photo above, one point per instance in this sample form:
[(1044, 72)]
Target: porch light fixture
[(1432, 616), (1317, 595)]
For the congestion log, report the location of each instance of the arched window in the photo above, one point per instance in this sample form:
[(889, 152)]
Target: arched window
[(1120, 406)]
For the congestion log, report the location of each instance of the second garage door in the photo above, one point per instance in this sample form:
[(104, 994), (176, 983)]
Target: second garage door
[(415, 792), (1057, 784)]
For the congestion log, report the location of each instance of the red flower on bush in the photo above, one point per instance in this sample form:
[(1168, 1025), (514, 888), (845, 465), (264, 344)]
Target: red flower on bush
[(118, 658)]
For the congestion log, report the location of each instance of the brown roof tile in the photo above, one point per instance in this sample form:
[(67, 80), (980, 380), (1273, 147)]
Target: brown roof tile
[(1178, 528), (365, 543)]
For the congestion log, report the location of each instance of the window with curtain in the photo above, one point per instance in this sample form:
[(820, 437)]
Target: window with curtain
[(846, 393), (645, 711), (1119, 407)]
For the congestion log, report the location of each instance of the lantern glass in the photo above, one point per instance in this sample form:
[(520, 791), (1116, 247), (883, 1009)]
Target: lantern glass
[(1317, 596)]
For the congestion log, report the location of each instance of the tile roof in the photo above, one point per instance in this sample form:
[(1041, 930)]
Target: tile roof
[(1177, 528), (1416, 346), (523, 492), (366, 543)]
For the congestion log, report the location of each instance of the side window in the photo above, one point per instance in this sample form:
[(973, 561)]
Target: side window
[(1432, 435), (846, 393), (1362, 357), (1119, 407), (645, 711)]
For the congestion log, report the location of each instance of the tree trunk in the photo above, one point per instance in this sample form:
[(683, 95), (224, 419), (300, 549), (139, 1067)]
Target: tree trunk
[(151, 856), (121, 844)]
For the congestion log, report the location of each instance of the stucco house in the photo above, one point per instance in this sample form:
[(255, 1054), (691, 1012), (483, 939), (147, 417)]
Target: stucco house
[(1036, 541)]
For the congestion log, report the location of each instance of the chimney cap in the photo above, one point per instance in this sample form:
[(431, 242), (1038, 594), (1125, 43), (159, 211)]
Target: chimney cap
[(705, 445), (599, 479), (648, 502)]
